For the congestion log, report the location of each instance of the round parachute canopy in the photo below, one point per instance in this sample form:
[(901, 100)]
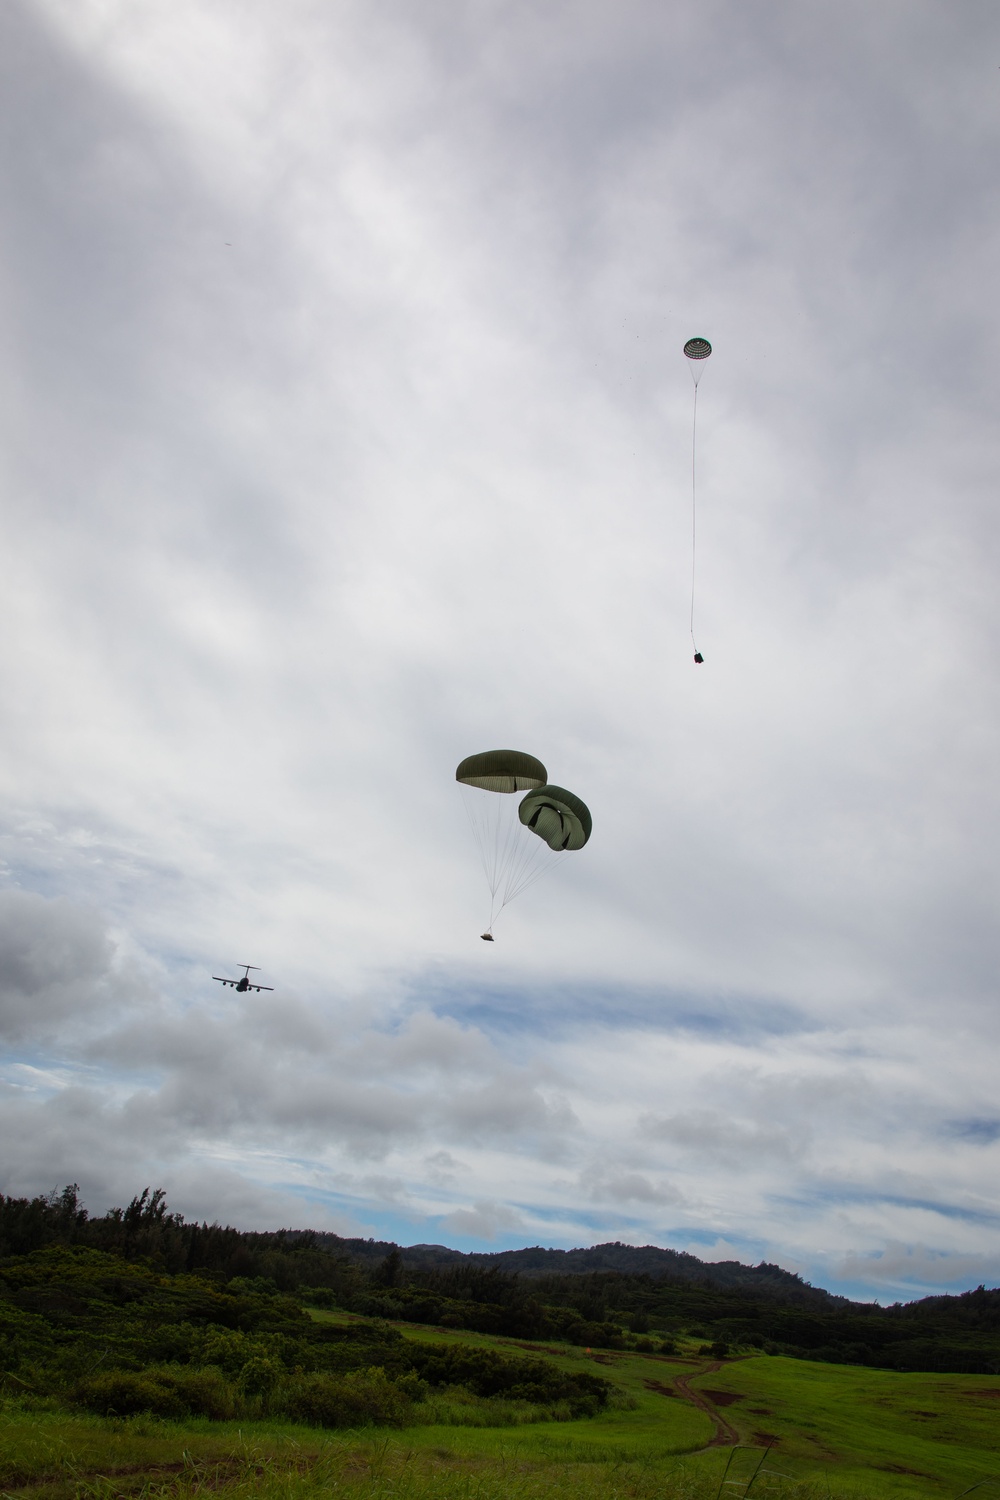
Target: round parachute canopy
[(697, 348), (502, 771), (557, 816)]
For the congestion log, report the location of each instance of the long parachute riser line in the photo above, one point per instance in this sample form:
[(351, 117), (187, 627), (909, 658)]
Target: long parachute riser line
[(695, 371), (696, 350)]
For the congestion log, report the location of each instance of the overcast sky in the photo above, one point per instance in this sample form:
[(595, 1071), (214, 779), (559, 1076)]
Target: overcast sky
[(346, 432)]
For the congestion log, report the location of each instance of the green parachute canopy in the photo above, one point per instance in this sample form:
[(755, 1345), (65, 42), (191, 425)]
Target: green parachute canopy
[(557, 816), (502, 771), (500, 825)]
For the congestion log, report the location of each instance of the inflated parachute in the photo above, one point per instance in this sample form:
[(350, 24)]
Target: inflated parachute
[(501, 771), (696, 350), (557, 816), (512, 859)]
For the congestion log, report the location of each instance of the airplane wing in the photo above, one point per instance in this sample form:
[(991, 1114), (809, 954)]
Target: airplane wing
[(259, 987), (223, 981)]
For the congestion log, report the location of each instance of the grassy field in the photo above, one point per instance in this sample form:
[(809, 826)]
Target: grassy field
[(921, 1434), (834, 1430)]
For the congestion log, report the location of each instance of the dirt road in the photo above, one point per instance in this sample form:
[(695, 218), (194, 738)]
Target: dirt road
[(726, 1435)]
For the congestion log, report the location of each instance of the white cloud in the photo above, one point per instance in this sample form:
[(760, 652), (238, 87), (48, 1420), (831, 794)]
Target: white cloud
[(484, 1221)]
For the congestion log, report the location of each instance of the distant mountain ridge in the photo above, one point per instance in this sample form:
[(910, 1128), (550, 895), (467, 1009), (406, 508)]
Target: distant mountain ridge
[(764, 1279)]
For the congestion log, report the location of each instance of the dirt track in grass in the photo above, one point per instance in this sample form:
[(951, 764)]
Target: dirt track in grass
[(726, 1435)]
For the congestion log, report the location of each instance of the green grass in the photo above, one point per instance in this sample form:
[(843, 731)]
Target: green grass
[(868, 1431), (837, 1430), (156, 1460), (913, 1434)]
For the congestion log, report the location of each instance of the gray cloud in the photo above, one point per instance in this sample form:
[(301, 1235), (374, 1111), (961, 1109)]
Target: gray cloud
[(484, 1221), (715, 1135), (56, 969), (909, 1266), (607, 1185)]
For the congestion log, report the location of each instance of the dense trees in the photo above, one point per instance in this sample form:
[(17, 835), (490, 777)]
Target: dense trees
[(117, 1336), (612, 1296)]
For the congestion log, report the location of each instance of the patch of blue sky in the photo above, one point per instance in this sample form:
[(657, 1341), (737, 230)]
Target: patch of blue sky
[(551, 1010), (38, 1074), (583, 1221), (392, 1223), (847, 1195), (980, 1132), (745, 1248), (856, 1289), (903, 1288)]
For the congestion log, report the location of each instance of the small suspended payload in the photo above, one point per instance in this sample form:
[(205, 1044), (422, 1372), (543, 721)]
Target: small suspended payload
[(511, 860), (696, 350)]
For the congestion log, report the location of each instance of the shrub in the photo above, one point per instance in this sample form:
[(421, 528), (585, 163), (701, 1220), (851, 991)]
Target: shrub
[(259, 1376), (123, 1393), (163, 1392), (206, 1393), (488, 1373), (318, 1296), (362, 1398), (252, 1286)]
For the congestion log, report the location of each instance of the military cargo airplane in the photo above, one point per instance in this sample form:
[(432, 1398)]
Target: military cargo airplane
[(242, 985)]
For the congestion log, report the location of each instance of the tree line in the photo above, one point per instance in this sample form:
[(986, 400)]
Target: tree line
[(489, 1294)]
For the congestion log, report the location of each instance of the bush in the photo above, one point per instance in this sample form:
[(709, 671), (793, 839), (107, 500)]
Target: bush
[(207, 1393), (259, 1376), (124, 1393), (318, 1296), (252, 1286), (363, 1398), (487, 1373), (163, 1392)]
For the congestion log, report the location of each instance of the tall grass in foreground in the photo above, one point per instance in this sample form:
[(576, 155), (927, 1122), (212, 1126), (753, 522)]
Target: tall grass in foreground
[(380, 1468)]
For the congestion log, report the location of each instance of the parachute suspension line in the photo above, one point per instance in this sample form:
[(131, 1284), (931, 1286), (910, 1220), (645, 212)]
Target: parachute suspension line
[(694, 509), (511, 860), (696, 350), (486, 821)]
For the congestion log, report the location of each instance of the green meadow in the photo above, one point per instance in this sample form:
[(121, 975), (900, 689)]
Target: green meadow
[(828, 1430)]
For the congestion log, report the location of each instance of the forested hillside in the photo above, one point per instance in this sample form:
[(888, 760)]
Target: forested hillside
[(629, 1260), (612, 1296), (116, 1336)]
